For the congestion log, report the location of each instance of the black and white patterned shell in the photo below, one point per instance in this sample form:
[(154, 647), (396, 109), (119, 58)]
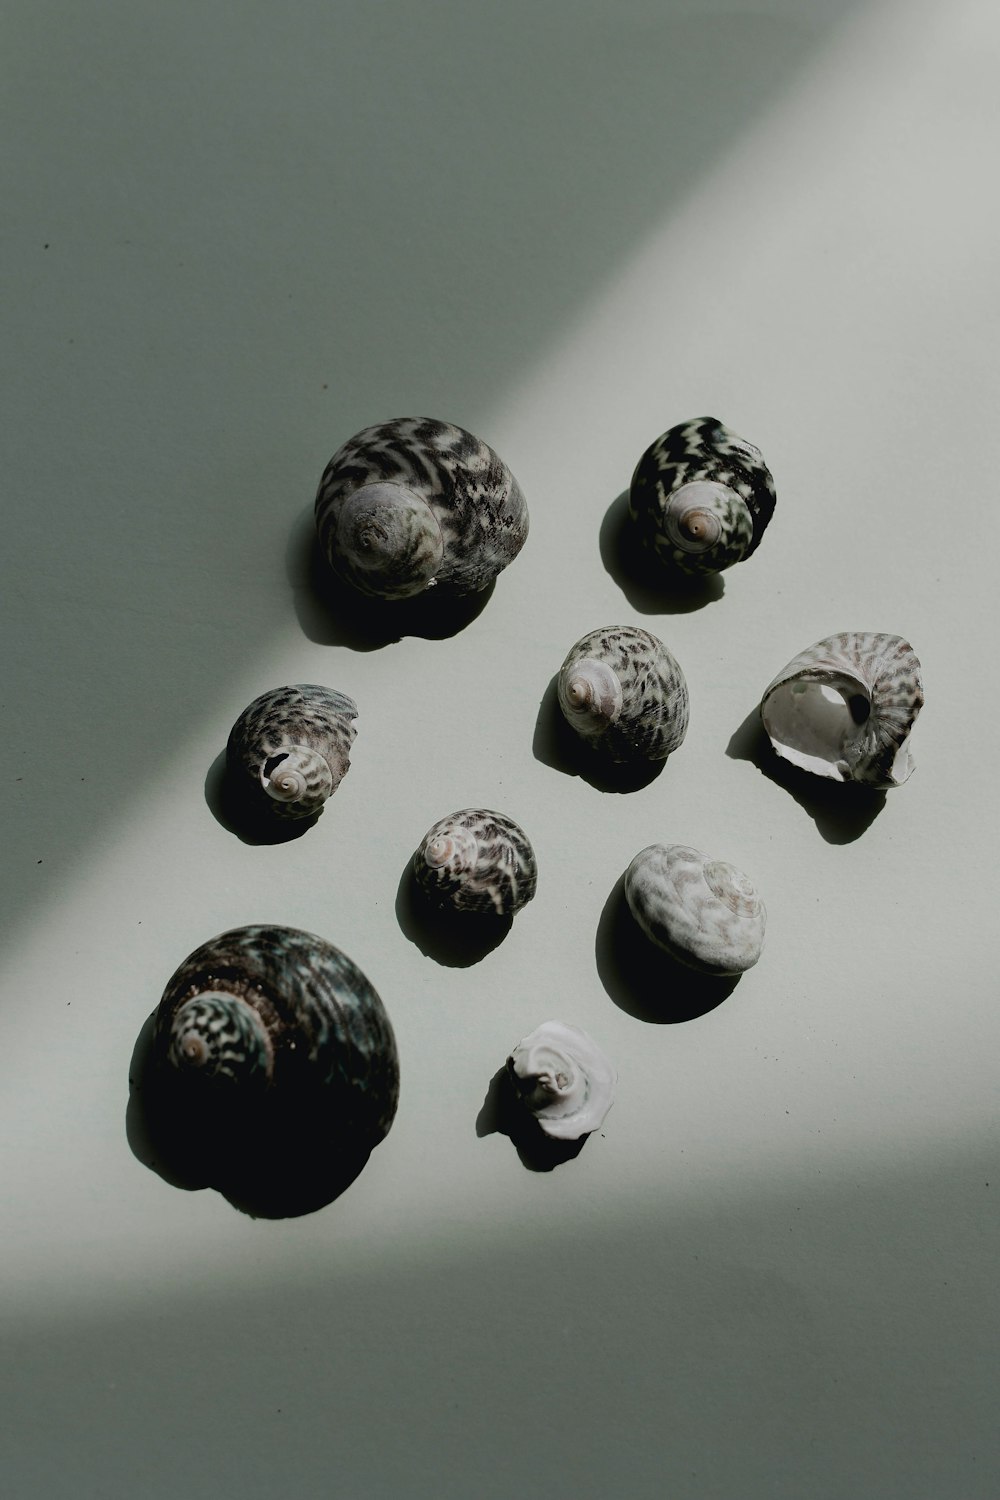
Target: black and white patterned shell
[(273, 1011), (412, 503), (701, 497), (704, 912), (293, 744), (625, 694), (475, 860)]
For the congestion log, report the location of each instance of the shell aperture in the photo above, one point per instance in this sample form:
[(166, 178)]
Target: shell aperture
[(845, 707), (704, 912), (625, 694), (475, 860), (563, 1079), (293, 744)]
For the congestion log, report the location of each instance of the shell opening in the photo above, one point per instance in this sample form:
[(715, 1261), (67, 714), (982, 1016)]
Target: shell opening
[(389, 540), (813, 724)]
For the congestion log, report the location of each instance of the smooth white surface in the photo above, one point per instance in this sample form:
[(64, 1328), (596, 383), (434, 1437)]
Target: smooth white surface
[(238, 234)]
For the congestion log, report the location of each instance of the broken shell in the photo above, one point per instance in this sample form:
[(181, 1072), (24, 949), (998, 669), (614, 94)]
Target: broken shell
[(701, 497), (564, 1079), (414, 502), (844, 708), (277, 1013), (623, 692), (477, 861), (294, 744), (704, 912)]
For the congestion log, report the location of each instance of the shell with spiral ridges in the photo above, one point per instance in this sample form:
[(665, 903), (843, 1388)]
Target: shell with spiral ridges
[(563, 1079), (269, 1013), (625, 694), (701, 497), (704, 912), (479, 861), (411, 503), (293, 745), (844, 708)]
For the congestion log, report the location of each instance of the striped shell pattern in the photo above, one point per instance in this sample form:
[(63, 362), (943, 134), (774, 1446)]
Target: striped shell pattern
[(294, 744), (477, 861), (415, 502), (625, 694), (703, 911)]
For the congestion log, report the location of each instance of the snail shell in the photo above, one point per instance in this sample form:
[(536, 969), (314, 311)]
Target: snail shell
[(623, 692), (703, 911), (275, 1012), (477, 861), (414, 502), (701, 497), (294, 744), (564, 1079), (844, 708)]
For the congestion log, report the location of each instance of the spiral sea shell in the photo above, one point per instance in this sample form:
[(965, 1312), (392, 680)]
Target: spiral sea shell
[(844, 708), (272, 1012), (625, 694), (477, 861), (293, 744), (564, 1079), (703, 911), (414, 502), (701, 497)]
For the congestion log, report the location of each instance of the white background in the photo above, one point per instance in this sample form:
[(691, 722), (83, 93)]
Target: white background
[(234, 234)]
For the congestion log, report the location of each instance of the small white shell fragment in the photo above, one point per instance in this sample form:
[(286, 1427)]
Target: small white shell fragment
[(844, 708), (703, 911), (564, 1079)]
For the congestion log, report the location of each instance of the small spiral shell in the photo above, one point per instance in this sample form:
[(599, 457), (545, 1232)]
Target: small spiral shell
[(625, 694), (701, 497), (412, 503), (704, 912), (477, 861), (293, 744), (564, 1079)]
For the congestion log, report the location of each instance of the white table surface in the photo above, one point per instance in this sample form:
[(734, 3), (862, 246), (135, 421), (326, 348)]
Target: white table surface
[(234, 234)]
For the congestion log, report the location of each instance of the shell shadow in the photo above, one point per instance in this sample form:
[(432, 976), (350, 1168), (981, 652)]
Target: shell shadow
[(841, 812), (455, 939), (645, 981), (557, 745), (256, 1161), (332, 613), (502, 1113), (650, 587), (248, 817)]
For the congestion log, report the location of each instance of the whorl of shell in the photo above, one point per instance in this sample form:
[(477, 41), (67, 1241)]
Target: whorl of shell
[(701, 497), (414, 502), (703, 911), (844, 708), (274, 1009), (477, 861), (623, 692), (564, 1079), (294, 744)]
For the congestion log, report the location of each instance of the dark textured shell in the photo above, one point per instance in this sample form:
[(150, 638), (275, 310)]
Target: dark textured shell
[(304, 718), (475, 860), (475, 500), (702, 450), (651, 719), (278, 1011)]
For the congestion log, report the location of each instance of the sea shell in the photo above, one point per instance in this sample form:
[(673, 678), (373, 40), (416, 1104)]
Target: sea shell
[(293, 744), (701, 497), (564, 1079), (624, 693), (271, 1013), (477, 861), (414, 502), (845, 707), (703, 911)]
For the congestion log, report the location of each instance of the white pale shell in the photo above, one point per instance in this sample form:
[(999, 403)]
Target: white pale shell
[(703, 911), (564, 1079), (844, 708), (625, 694), (476, 860)]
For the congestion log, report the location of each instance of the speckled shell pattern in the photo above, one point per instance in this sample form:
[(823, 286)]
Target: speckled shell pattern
[(655, 707), (702, 449), (703, 911), (484, 863), (318, 719), (475, 499), (309, 1016), (886, 670)]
